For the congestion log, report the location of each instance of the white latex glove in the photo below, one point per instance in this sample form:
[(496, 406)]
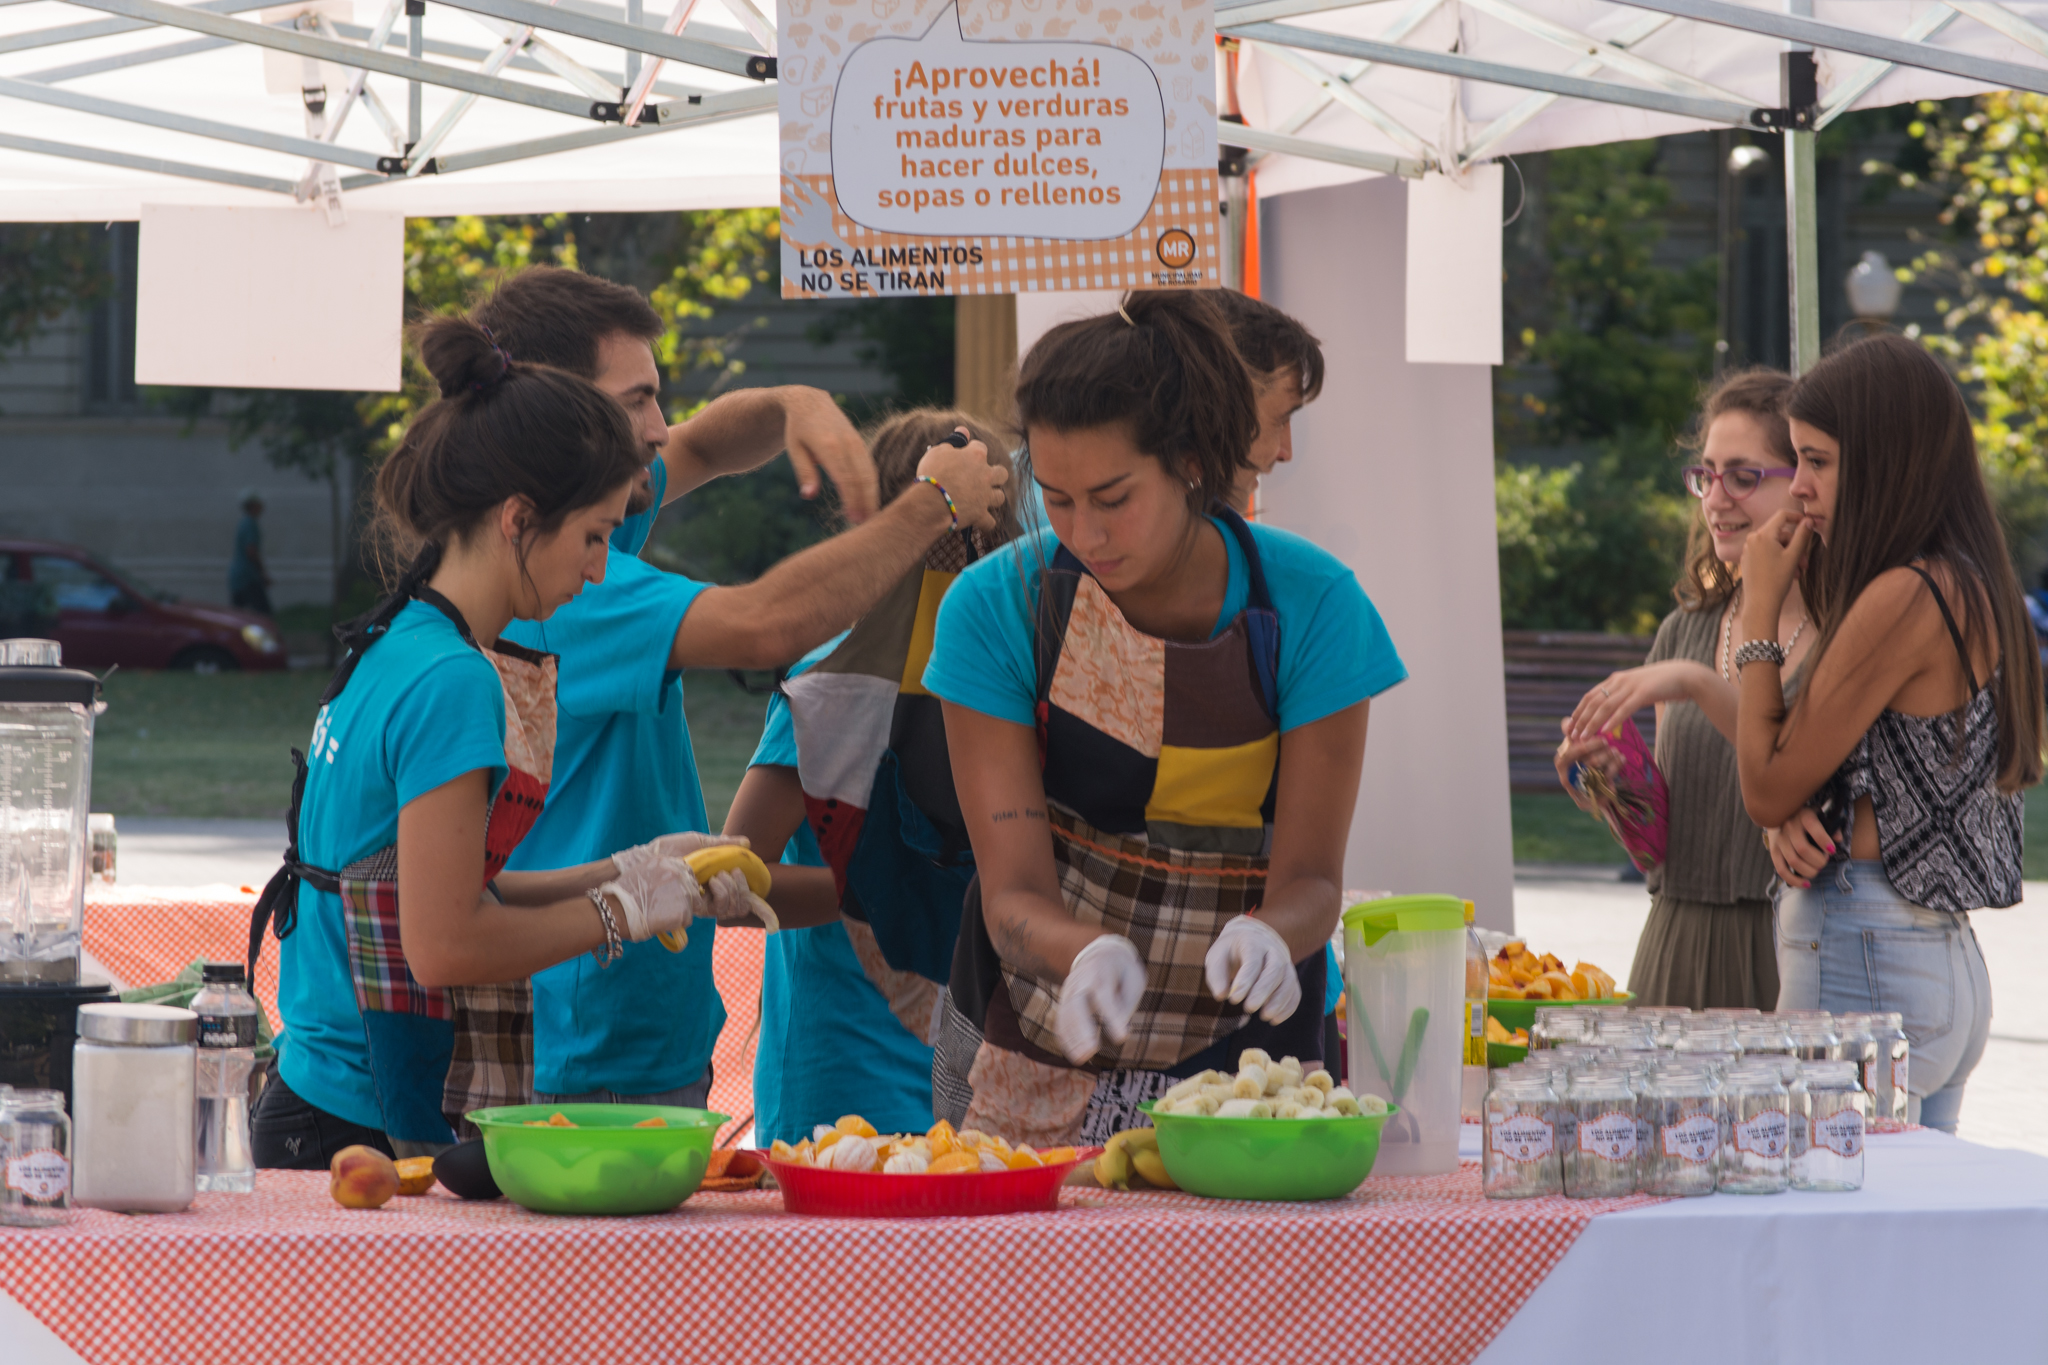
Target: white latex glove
[(1249, 965), (1100, 993), (733, 901), (659, 895)]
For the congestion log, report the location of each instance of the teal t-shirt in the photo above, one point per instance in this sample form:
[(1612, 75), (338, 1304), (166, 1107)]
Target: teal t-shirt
[(829, 1044), (242, 570), (624, 774), (1334, 649), (423, 707)]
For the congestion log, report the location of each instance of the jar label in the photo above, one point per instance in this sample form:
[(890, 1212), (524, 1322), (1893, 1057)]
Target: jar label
[(1763, 1134), (40, 1175), (1899, 1074), (227, 1030), (1840, 1132), (1523, 1137), (1610, 1136), (1694, 1138)]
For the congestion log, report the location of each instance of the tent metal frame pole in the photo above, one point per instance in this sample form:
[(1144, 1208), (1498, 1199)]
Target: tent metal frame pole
[(184, 123), (1465, 68), (1410, 20), (157, 165), (1806, 32), (1611, 54), (2005, 23), (345, 54), (415, 42), (106, 28), (1498, 131), (1858, 82), (190, 48), (652, 42), (462, 52), (1258, 139), (635, 16), (1798, 93), (1341, 91), (758, 100)]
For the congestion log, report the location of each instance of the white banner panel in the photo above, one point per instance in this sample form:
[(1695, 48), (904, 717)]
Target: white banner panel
[(1454, 267), (253, 298)]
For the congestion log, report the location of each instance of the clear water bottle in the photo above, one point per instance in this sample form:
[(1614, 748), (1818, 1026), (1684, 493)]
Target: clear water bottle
[(227, 1054)]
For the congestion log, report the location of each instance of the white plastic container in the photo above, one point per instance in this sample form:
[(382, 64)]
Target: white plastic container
[(132, 1075), (1404, 975)]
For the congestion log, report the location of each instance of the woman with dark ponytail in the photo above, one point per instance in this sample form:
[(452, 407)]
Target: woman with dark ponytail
[(430, 758), (1157, 716), (1891, 787)]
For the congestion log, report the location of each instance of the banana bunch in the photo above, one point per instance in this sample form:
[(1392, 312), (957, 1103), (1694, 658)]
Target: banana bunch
[(1135, 1151), (707, 863)]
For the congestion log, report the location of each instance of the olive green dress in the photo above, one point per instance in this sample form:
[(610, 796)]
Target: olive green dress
[(1708, 943)]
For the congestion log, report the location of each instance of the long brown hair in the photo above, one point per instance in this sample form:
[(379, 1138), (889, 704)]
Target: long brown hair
[(1758, 392), (1909, 487)]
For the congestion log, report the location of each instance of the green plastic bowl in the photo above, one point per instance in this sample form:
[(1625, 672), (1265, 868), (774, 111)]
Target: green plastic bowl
[(1268, 1158), (604, 1165), (1514, 1014)]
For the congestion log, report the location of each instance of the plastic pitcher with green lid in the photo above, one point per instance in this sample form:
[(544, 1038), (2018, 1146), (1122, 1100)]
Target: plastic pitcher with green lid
[(1404, 973)]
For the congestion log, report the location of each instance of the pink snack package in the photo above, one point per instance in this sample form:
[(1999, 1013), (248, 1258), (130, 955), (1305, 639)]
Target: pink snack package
[(1634, 801)]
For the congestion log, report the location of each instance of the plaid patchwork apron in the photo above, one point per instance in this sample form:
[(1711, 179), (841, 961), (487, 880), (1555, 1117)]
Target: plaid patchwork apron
[(1161, 766), (435, 1053)]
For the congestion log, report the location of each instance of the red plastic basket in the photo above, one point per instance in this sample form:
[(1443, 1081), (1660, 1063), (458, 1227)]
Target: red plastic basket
[(827, 1193)]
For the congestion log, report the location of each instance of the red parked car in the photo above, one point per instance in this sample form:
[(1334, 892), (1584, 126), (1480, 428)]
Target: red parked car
[(103, 617)]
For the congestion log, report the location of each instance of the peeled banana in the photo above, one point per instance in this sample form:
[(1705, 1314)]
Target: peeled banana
[(707, 863)]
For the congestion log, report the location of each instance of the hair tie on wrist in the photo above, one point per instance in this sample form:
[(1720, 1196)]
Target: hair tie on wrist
[(951, 507)]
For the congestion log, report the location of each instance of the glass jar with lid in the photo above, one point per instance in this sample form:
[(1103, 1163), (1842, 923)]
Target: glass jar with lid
[(1519, 1156), (133, 1073), (35, 1141), (1814, 1038), (1832, 1155), (1756, 1145), (1624, 1033), (1600, 1163), (1764, 1034), (1554, 1026), (1680, 1105)]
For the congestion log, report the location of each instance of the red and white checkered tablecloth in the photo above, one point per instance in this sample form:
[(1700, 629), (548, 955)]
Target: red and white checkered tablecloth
[(145, 935), (1402, 1271)]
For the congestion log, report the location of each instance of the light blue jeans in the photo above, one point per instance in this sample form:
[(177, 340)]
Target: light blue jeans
[(1853, 943)]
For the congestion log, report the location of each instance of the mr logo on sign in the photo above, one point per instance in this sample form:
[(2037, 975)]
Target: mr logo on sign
[(1175, 249)]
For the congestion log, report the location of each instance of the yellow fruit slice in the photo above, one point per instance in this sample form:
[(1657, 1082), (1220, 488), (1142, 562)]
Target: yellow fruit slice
[(855, 1126), (954, 1163), (708, 863), (1023, 1159), (942, 1139), (1053, 1156)]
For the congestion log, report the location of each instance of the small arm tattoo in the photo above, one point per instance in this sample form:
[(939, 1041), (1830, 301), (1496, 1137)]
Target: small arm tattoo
[(1001, 816)]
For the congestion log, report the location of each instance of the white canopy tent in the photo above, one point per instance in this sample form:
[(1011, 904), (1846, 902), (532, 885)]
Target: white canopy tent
[(399, 107)]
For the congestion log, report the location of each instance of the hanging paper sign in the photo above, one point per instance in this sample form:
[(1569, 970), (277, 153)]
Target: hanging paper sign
[(996, 146)]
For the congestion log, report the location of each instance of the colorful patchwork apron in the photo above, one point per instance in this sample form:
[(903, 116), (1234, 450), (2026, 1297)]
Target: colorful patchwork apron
[(1161, 766), (435, 1053), (878, 789)]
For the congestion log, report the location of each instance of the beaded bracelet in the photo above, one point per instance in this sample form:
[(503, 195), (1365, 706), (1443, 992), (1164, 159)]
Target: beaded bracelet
[(1759, 651), (951, 507), (613, 950)]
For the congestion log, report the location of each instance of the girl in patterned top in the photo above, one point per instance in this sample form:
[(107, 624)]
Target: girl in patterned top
[(1891, 786)]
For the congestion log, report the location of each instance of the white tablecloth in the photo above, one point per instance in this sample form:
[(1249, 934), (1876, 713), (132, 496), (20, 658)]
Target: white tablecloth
[(1938, 1259)]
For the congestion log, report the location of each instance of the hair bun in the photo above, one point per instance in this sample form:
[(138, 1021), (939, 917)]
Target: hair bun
[(462, 357)]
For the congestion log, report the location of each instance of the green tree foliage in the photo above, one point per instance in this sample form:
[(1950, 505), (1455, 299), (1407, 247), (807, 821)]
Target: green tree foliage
[(1990, 157), (46, 270), (1617, 345)]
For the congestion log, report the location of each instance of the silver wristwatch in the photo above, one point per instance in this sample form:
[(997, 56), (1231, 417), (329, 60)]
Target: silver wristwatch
[(1759, 651)]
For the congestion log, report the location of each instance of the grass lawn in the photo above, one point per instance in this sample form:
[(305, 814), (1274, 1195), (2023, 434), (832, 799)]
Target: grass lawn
[(183, 745), (178, 744)]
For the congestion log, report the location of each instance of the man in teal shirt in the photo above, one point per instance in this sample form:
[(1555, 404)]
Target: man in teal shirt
[(643, 1029)]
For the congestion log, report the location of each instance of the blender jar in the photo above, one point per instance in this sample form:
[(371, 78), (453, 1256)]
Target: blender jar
[(46, 718)]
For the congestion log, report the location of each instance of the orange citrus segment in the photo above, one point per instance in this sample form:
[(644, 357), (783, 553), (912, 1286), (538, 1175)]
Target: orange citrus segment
[(954, 1163)]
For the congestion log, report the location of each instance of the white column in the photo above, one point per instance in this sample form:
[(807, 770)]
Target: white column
[(1393, 473)]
